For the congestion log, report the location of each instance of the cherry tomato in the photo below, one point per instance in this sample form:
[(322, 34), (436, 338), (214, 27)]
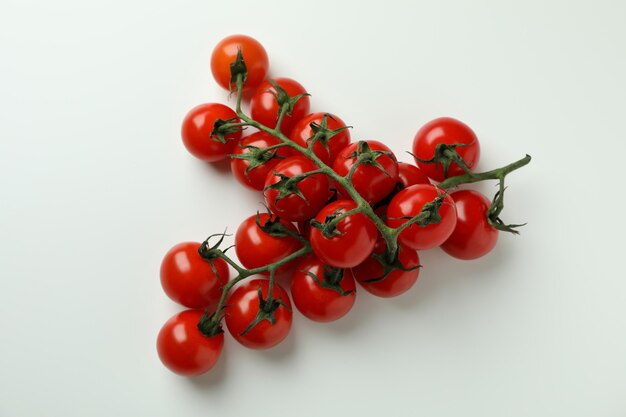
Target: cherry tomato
[(449, 131), (242, 309), (397, 281), (293, 207), (254, 56), (183, 349), (256, 248), (196, 132), (354, 242), (473, 236), (255, 177), (327, 297), (410, 175), (372, 182), (303, 131), (189, 280), (264, 107), (409, 203)]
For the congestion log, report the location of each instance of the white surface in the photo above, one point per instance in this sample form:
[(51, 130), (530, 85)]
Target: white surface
[(96, 186)]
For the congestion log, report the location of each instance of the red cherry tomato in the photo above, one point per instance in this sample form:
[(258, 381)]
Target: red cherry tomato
[(397, 281), (355, 241), (196, 132), (302, 132), (409, 203), (410, 175), (189, 280), (254, 56), (255, 177), (449, 131), (369, 180), (264, 107), (473, 236), (243, 305), (183, 349), (293, 207), (255, 248), (327, 298)]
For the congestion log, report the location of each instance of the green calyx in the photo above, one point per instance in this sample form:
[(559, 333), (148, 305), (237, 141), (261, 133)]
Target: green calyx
[(446, 154), (331, 280), (210, 253), (287, 186), (209, 324), (365, 155), (329, 226), (256, 157), (238, 69), (389, 262), (267, 309), (223, 128), (322, 134), (283, 99), (273, 226)]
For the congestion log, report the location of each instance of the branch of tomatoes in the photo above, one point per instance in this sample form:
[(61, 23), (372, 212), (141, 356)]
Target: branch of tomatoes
[(379, 213)]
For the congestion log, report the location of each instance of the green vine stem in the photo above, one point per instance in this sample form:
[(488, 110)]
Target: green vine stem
[(390, 235)]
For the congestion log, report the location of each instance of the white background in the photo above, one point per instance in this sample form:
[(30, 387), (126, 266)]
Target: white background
[(95, 187)]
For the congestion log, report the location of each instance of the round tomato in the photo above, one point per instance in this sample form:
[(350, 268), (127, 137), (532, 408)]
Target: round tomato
[(196, 132), (473, 236), (254, 144), (256, 248), (445, 131), (400, 277), (273, 317), (264, 106), (301, 200), (254, 56), (350, 243), (302, 132), (409, 203), (410, 175), (375, 177), (190, 280), (183, 348), (320, 292)]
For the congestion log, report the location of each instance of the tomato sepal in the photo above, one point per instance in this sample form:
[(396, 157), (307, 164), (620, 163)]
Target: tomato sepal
[(365, 155), (389, 266), (322, 134), (223, 128), (238, 69), (210, 324), (332, 279), (283, 98), (446, 154), (266, 310)]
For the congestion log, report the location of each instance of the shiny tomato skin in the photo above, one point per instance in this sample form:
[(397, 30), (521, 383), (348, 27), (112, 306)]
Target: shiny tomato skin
[(302, 131), (256, 176), (183, 349), (368, 180), (314, 188), (449, 131), (255, 248), (473, 236), (353, 246), (394, 284), (242, 308), (189, 280), (409, 174), (254, 56), (196, 132), (264, 108), (316, 302), (408, 203)]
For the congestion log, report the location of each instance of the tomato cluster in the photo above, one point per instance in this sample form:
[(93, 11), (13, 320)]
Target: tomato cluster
[(340, 212)]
